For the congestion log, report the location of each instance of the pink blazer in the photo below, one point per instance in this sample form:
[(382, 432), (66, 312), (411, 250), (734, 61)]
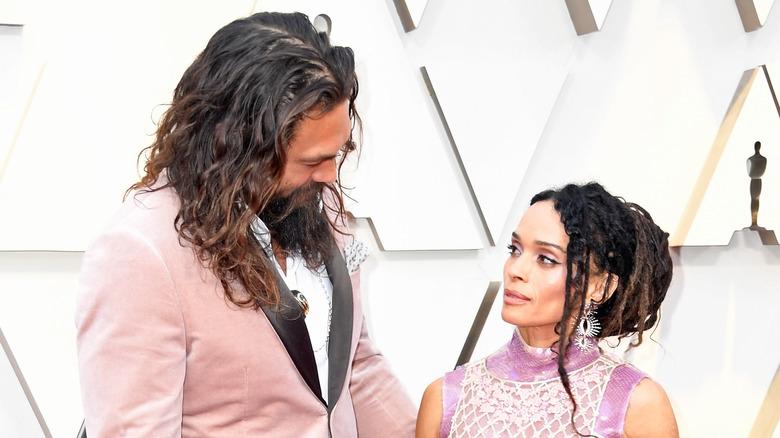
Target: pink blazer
[(162, 353)]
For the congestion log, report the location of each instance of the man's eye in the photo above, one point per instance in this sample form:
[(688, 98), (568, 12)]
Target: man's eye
[(349, 146)]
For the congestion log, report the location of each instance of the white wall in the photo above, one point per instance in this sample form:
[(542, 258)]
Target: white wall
[(637, 105), (716, 353)]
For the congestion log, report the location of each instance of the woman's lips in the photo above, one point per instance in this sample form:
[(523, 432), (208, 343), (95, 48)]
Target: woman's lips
[(512, 297)]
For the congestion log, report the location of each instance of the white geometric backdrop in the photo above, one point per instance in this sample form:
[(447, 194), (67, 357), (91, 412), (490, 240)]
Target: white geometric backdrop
[(527, 103)]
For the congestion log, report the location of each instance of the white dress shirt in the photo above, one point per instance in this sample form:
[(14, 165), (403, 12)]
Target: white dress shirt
[(318, 290)]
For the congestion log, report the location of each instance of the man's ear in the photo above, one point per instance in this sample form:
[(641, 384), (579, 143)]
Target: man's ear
[(603, 288)]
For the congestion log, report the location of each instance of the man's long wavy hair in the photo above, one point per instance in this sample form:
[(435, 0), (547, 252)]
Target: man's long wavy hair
[(222, 143)]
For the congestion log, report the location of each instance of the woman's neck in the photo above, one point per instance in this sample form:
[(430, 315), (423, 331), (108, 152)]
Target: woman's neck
[(538, 337)]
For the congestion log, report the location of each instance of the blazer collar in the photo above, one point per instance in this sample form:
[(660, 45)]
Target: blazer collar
[(288, 322), (341, 323), (291, 328)]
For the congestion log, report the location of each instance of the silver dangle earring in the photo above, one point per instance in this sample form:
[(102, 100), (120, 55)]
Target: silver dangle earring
[(588, 327)]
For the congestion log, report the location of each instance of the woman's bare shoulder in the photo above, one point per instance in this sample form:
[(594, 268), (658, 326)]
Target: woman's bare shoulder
[(650, 412)]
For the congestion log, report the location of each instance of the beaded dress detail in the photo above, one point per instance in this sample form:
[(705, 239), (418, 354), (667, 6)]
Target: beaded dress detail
[(517, 392)]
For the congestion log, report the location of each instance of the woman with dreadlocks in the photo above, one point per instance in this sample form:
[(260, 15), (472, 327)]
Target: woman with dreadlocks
[(583, 265)]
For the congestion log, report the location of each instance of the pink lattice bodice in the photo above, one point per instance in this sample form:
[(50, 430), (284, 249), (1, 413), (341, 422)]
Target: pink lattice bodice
[(517, 392)]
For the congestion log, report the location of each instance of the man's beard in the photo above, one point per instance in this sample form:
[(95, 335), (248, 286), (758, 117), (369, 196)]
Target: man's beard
[(298, 224)]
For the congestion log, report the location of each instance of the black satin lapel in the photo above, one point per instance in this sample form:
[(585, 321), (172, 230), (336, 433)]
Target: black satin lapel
[(291, 329), (340, 325)]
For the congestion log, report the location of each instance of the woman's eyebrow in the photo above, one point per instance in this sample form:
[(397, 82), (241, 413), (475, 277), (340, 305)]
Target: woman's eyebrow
[(540, 243)]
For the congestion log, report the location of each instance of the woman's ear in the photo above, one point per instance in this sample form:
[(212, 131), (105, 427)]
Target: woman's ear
[(603, 288)]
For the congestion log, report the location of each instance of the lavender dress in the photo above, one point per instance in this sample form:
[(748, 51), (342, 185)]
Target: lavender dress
[(517, 392)]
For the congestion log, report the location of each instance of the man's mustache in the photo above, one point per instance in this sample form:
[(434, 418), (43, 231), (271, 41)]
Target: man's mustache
[(282, 206)]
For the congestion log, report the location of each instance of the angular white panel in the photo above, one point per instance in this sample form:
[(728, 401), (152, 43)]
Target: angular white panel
[(11, 13), (410, 12), (731, 290), (588, 15), (725, 207), (446, 288), (768, 418), (37, 303), (11, 86), (17, 416), (762, 9), (496, 97), (416, 9), (600, 9), (753, 13)]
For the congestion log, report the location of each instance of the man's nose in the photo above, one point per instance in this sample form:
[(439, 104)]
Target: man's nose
[(326, 172)]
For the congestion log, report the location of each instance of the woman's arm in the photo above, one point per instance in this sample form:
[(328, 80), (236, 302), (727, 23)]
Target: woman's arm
[(429, 416), (650, 413)]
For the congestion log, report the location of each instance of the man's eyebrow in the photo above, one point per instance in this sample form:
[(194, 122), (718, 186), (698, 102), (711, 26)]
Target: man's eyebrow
[(318, 158), (541, 243), (325, 157)]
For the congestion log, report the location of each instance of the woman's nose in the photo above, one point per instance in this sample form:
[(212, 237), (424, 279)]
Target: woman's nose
[(517, 267)]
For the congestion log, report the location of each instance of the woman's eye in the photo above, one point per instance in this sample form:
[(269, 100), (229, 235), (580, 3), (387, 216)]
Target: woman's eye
[(513, 249), (543, 259)]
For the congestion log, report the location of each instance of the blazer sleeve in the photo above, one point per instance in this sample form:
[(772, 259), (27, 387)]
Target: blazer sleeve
[(383, 409), (130, 339)]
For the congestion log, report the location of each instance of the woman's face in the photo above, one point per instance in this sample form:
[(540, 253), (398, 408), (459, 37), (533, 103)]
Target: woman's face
[(535, 275)]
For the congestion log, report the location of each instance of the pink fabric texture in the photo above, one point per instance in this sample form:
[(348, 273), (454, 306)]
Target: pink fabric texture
[(163, 353), (517, 392)]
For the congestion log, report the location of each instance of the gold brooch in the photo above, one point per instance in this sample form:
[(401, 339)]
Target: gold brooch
[(302, 301)]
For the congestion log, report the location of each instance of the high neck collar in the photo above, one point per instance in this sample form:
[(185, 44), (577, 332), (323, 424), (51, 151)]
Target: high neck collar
[(520, 361)]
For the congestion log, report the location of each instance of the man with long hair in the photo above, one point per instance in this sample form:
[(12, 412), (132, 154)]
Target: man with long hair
[(218, 302)]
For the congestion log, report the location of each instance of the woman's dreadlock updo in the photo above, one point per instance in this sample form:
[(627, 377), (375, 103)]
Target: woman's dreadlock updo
[(616, 237), (619, 238)]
